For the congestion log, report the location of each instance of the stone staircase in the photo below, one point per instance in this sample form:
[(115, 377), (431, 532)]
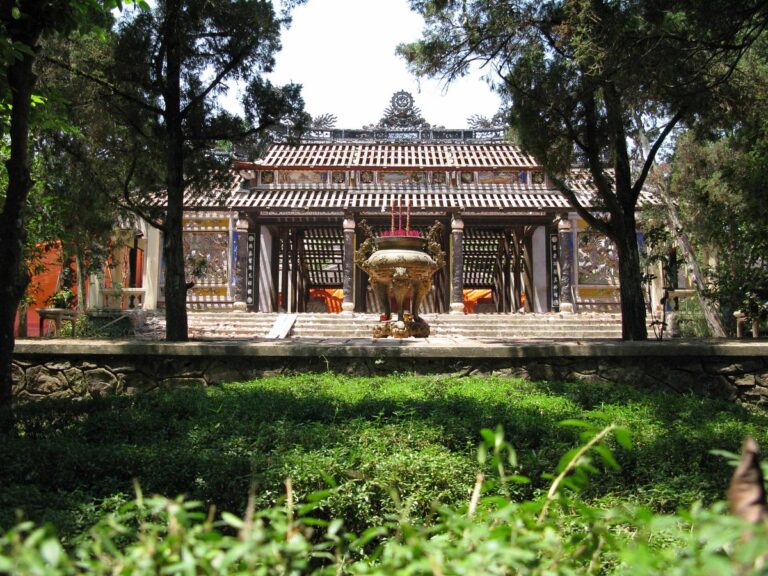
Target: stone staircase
[(242, 325)]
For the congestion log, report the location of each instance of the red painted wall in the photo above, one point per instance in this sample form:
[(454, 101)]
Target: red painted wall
[(42, 286)]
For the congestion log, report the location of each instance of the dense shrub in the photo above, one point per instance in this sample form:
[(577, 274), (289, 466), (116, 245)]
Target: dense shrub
[(386, 453), (552, 534)]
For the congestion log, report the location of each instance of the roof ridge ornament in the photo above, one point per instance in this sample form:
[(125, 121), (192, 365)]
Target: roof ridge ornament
[(402, 113), (402, 123)]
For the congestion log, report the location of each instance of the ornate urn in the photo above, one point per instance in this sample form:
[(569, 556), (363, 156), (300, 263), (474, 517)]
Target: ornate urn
[(401, 265)]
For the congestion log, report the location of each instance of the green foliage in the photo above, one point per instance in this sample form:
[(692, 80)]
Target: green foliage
[(395, 447), (554, 534), (95, 327), (718, 180), (725, 217), (62, 299), (23, 24), (690, 319), (584, 78), (171, 65)]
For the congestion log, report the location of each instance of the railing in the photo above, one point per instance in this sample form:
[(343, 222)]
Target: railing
[(123, 298)]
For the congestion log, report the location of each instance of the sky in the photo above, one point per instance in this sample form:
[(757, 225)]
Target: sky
[(343, 53)]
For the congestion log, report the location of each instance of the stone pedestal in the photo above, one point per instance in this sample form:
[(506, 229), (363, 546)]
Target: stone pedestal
[(401, 329), (456, 308)]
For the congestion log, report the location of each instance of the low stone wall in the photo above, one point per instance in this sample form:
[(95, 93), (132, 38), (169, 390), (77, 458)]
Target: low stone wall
[(81, 369)]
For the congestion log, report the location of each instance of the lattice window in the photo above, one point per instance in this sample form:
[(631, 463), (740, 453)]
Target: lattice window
[(324, 257), (481, 257)]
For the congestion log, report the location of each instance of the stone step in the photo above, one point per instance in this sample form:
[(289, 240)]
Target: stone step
[(367, 330), (300, 329), (246, 325), (431, 316), (526, 322), (476, 334), (541, 321), (448, 330)]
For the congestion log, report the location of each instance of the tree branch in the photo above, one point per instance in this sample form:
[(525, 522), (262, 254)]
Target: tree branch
[(223, 73), (593, 155), (589, 218), (103, 83), (651, 158)]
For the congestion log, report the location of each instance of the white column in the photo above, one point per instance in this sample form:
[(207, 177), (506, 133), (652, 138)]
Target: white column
[(266, 282), (348, 273), (539, 259), (94, 297), (566, 265), (151, 276)]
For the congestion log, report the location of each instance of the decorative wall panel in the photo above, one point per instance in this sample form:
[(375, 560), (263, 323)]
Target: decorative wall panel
[(598, 260)]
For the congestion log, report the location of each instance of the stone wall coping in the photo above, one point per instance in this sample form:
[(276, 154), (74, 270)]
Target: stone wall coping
[(388, 348)]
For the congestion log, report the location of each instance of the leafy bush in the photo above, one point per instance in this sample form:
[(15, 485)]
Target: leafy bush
[(95, 327), (398, 449), (553, 533), (64, 298), (690, 319)]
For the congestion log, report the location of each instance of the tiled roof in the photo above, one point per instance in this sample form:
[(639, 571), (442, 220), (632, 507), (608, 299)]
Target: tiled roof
[(381, 198), (403, 156)]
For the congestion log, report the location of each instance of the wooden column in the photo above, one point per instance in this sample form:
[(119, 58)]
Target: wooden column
[(457, 265), (361, 286), (303, 285), (446, 272), (274, 269), (348, 301), (508, 304), (517, 268), (255, 259), (294, 244), (442, 277), (528, 286), (247, 263)]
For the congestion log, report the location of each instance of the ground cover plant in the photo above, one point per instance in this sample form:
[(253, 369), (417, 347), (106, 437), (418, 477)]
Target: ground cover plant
[(389, 467)]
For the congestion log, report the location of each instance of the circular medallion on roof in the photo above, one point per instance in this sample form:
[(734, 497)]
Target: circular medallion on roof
[(401, 100)]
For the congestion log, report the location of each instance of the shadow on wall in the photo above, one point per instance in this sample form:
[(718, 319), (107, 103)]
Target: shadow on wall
[(48, 268)]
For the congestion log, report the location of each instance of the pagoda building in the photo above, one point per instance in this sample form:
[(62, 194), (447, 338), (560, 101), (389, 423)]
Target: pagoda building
[(284, 238)]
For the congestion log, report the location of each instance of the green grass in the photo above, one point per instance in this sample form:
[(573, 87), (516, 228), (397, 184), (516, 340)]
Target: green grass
[(396, 445)]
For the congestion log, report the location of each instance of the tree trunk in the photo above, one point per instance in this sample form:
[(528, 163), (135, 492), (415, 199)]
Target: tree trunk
[(633, 322), (175, 283), (711, 315), (21, 328), (176, 329), (15, 274), (80, 267), (714, 321)]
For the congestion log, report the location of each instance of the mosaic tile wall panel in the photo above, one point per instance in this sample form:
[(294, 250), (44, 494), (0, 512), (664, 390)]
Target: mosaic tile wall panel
[(402, 177), (303, 177), (501, 177), (598, 260), (206, 258)]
